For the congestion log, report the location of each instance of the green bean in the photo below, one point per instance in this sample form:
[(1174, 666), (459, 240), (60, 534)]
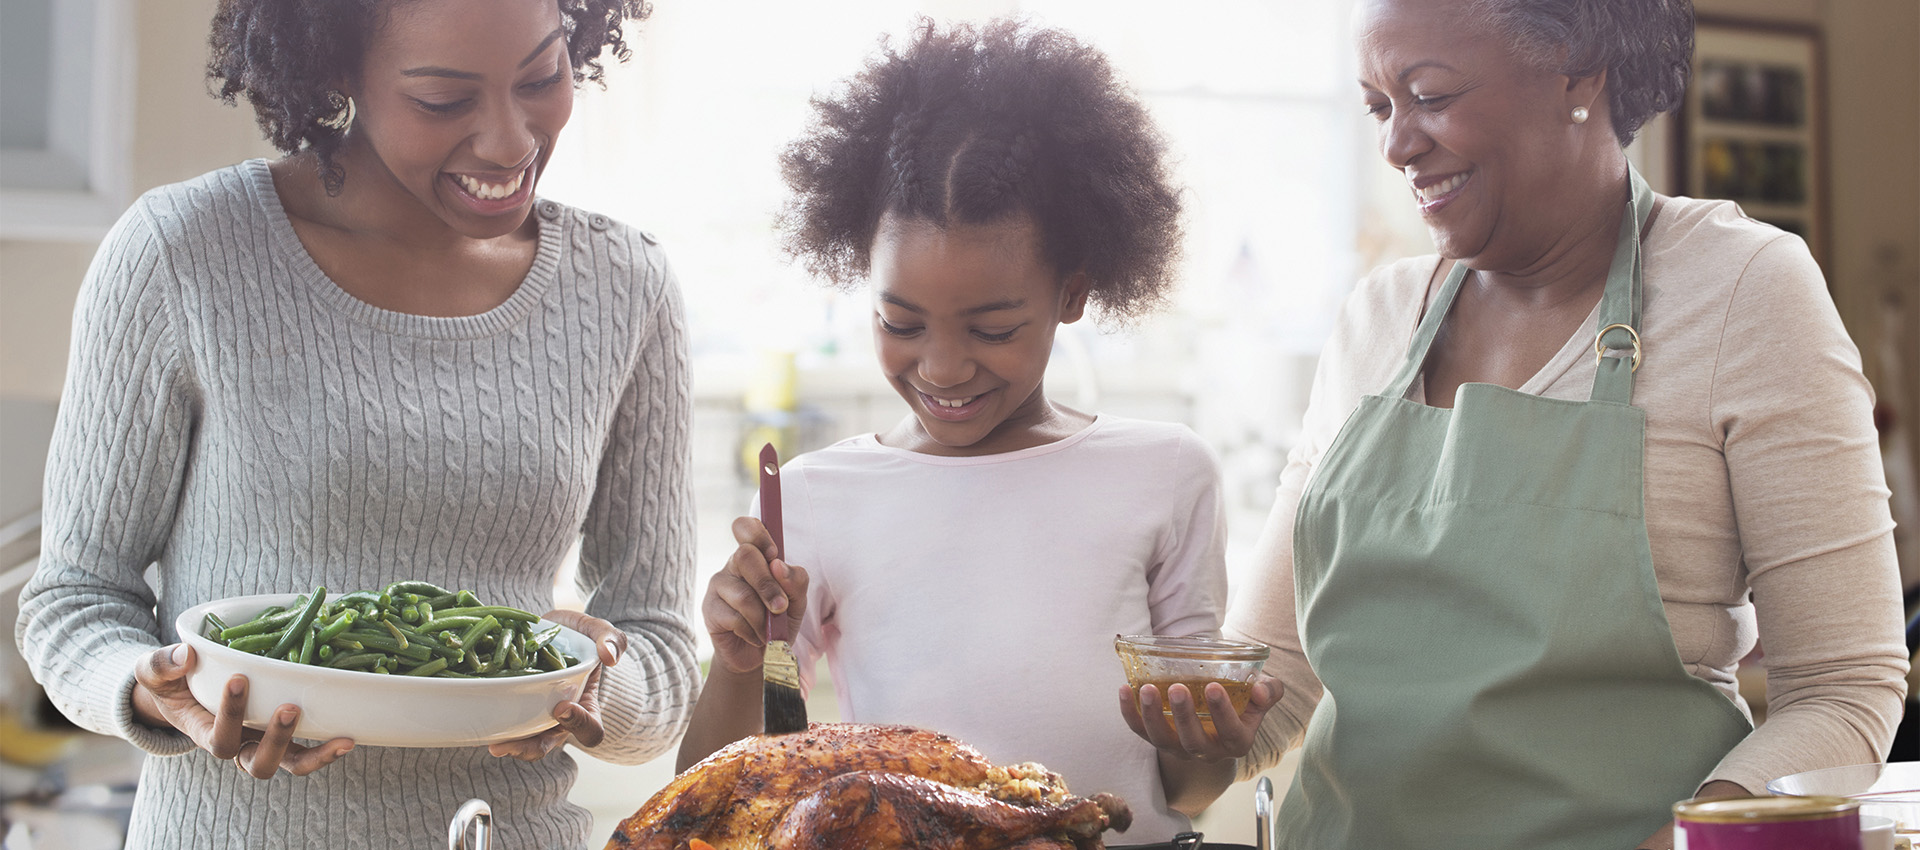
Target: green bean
[(409, 627), (501, 644), (429, 668), (441, 622), (546, 636), (359, 597), (497, 611), (341, 622), (437, 644), (399, 637), (418, 588), (263, 623), (384, 643), (293, 634), (473, 634), (306, 647), (355, 660), (255, 644)]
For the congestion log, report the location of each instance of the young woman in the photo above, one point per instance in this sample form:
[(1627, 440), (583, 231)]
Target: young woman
[(379, 357), (966, 570)]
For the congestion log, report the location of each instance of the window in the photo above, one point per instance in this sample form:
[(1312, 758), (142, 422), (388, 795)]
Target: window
[(64, 112)]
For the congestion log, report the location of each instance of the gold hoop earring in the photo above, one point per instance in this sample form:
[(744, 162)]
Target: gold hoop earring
[(1579, 115), (343, 112)]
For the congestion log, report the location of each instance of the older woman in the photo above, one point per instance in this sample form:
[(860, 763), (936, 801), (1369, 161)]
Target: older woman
[(1556, 482)]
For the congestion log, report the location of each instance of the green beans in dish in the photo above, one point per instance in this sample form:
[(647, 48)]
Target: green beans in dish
[(409, 628)]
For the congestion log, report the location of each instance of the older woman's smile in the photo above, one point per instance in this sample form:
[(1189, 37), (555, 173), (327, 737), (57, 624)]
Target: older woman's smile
[(1435, 192)]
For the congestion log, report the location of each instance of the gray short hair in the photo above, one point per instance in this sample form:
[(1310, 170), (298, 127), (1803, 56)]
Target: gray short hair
[(1645, 46)]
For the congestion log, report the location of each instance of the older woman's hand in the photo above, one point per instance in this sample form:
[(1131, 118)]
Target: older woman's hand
[(577, 719), (161, 700), (1184, 734)]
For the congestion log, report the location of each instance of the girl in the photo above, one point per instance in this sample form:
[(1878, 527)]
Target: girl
[(379, 357), (966, 571)]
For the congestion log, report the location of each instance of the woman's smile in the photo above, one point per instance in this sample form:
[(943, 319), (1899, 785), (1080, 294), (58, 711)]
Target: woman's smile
[(1435, 193), (488, 195)]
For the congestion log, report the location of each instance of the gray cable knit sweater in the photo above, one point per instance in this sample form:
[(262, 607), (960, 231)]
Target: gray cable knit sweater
[(242, 425)]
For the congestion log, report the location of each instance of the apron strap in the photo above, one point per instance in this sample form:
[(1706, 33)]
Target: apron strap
[(1423, 335), (1620, 304), (1619, 310)]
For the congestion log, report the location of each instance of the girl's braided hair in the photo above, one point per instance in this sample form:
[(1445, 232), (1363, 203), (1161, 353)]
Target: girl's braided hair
[(976, 124), (284, 57)]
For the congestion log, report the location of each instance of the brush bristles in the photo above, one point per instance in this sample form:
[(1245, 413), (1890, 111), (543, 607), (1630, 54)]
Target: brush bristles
[(784, 709)]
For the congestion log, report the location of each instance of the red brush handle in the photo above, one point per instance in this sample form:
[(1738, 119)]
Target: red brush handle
[(770, 517)]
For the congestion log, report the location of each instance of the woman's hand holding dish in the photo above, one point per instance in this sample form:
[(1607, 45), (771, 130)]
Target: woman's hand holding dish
[(161, 700), (578, 719)]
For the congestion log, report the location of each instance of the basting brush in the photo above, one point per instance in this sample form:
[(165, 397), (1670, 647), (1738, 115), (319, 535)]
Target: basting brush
[(784, 709)]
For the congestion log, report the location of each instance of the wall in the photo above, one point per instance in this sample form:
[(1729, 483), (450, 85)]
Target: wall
[(1873, 51), (178, 132)]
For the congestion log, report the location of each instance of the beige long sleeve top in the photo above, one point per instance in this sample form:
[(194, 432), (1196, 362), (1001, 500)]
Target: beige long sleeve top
[(1766, 500)]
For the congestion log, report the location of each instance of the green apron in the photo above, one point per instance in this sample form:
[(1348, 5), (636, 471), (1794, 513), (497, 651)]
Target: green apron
[(1477, 594)]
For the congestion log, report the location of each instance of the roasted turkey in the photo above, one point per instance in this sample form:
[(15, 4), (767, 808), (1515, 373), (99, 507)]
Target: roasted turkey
[(846, 785)]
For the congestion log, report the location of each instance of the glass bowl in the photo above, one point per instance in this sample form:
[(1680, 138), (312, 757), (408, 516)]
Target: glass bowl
[(1164, 661), (1889, 790)]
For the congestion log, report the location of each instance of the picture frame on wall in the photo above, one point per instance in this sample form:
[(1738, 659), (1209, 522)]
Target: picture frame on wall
[(1752, 127)]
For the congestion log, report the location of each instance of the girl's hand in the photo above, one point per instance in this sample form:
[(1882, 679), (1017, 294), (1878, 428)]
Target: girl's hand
[(579, 719), (161, 700), (1183, 735), (754, 582)]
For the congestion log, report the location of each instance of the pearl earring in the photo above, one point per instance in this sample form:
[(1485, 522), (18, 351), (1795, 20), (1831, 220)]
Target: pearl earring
[(1579, 115)]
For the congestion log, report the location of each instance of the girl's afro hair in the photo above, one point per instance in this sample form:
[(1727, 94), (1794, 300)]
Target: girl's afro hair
[(976, 124)]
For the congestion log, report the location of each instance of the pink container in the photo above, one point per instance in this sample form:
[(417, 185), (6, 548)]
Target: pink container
[(1768, 823)]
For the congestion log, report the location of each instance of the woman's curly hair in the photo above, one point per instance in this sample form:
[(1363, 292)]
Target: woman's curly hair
[(1645, 46), (972, 125), (285, 56)]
